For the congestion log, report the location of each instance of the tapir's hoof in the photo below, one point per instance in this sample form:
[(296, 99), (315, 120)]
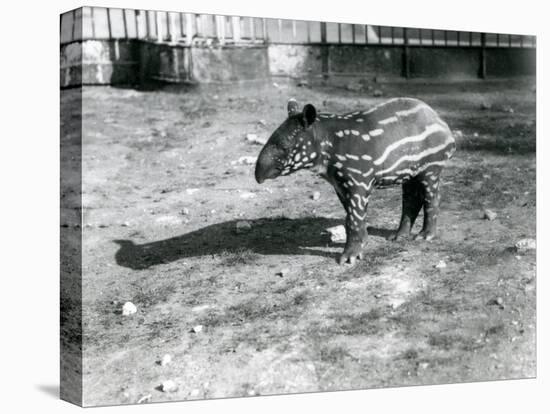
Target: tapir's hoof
[(350, 256), (424, 235)]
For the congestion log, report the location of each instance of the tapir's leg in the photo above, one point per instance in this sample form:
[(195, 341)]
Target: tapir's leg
[(413, 198), (430, 183), (355, 203)]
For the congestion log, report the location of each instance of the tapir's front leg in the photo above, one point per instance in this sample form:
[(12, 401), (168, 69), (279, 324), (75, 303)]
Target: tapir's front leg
[(355, 204)]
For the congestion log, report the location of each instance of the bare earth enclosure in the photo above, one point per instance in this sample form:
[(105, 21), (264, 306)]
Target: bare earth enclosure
[(266, 309)]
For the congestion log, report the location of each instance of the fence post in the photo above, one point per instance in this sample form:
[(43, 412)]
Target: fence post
[(188, 28), (236, 23), (324, 51), (159, 26), (483, 57), (172, 27), (406, 54)]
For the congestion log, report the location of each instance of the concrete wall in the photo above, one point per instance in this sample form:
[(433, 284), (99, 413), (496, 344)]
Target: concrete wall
[(138, 61), (99, 62)]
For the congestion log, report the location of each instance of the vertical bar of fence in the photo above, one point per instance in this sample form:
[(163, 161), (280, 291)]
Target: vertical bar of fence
[(353, 33), (264, 30), (308, 33), (521, 41), (147, 25), (470, 36), (125, 23), (324, 50), (188, 29), (498, 39), (483, 57), (74, 24), (109, 23), (339, 33), (294, 31), (173, 31), (236, 26), (280, 30), (379, 28), (366, 34), (433, 36), (136, 20), (158, 26), (445, 37), (252, 29), (180, 17), (392, 34), (93, 21), (406, 52)]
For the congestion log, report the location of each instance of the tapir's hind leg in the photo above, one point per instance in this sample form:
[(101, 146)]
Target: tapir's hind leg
[(430, 183), (413, 198)]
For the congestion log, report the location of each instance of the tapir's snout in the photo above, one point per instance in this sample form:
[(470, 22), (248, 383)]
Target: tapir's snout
[(267, 164)]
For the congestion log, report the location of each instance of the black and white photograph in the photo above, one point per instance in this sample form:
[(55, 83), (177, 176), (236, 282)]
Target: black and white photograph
[(254, 206)]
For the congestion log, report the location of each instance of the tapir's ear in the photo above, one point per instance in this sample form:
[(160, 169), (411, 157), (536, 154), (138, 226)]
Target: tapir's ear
[(310, 113), (292, 107)]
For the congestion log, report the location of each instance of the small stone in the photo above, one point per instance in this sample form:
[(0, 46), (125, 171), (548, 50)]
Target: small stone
[(526, 244), (283, 272), (458, 133), (128, 309), (242, 226), (197, 329), (337, 234), (166, 359), (191, 190), (302, 83), (499, 301), (441, 265), (145, 399), (262, 122), (247, 195), (316, 195), (476, 135), (423, 365), (254, 139), (169, 386), (246, 160), (489, 214), (184, 211), (377, 295), (485, 106), (195, 392), (377, 93)]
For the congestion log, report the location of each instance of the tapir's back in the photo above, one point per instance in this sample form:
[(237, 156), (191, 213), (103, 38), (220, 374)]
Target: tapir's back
[(400, 133)]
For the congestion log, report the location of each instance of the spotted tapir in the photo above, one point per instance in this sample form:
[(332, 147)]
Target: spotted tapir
[(401, 141)]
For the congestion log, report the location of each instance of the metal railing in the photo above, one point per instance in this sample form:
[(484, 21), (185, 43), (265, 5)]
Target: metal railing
[(188, 28)]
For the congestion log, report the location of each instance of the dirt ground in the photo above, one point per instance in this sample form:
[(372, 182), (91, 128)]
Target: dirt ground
[(163, 191)]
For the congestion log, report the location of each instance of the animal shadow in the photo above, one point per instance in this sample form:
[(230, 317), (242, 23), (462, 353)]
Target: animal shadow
[(266, 236)]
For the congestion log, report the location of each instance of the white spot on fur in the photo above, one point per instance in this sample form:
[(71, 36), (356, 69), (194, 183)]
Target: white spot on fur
[(376, 132)]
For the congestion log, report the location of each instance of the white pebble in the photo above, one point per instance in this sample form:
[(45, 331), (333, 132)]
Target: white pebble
[(145, 399), (197, 329), (254, 139), (489, 214), (128, 309), (169, 386), (166, 359), (316, 195), (337, 234), (441, 265), (526, 244)]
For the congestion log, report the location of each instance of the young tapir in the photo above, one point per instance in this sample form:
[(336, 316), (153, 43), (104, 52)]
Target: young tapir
[(401, 141)]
